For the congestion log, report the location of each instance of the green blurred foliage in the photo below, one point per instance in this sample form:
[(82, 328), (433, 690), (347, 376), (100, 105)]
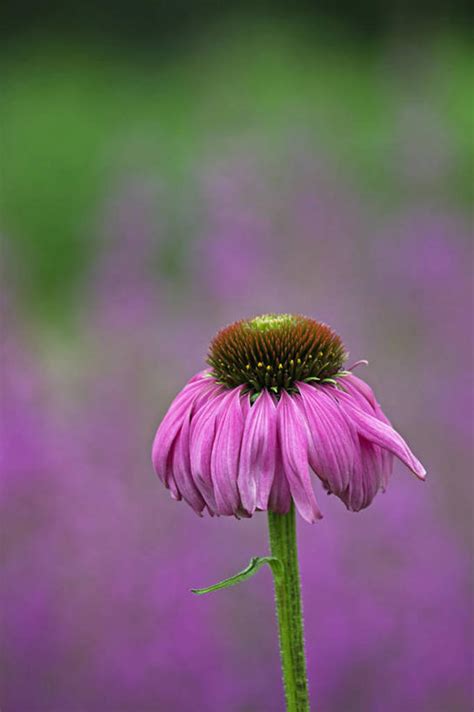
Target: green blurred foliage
[(73, 117)]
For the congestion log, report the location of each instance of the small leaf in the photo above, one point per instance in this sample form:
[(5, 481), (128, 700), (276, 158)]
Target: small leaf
[(255, 564)]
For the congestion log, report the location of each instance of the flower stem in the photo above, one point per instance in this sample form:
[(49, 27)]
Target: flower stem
[(282, 531)]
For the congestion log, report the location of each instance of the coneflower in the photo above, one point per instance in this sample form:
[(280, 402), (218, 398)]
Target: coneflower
[(244, 435)]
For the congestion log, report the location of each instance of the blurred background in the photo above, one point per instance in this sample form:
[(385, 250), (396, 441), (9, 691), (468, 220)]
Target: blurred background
[(169, 168)]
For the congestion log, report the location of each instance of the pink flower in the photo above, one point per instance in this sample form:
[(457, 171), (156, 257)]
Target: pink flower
[(275, 406)]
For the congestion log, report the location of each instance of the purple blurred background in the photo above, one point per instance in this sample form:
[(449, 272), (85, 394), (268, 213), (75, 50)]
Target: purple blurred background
[(97, 561)]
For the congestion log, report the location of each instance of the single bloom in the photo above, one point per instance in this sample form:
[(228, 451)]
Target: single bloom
[(275, 406)]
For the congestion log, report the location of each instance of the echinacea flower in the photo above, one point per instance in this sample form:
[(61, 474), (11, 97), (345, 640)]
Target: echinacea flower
[(274, 406)]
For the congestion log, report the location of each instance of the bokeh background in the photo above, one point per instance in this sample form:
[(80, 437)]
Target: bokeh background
[(166, 169)]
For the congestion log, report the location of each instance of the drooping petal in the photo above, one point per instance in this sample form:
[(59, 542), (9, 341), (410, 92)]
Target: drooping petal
[(208, 390), (226, 453), (169, 480), (294, 455), (205, 373), (373, 476), (170, 426), (331, 442), (364, 396), (182, 468), (360, 391), (380, 433), (257, 456), (357, 387), (279, 500), (366, 478), (386, 458), (202, 435), (196, 391)]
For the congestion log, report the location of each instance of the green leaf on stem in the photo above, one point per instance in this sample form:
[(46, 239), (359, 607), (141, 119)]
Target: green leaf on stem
[(255, 564)]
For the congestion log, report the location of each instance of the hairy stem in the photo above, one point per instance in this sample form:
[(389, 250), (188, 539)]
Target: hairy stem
[(282, 531)]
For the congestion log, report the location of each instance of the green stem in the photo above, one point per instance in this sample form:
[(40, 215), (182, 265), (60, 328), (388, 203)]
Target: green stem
[(282, 531)]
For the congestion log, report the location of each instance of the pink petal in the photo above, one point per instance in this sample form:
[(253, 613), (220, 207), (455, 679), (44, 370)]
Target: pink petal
[(385, 464), (294, 453), (381, 434), (171, 425), (196, 391), (280, 497), (182, 468), (226, 453), (360, 362), (366, 478), (202, 435), (331, 442), (360, 391), (206, 373), (257, 455), (373, 470), (365, 398)]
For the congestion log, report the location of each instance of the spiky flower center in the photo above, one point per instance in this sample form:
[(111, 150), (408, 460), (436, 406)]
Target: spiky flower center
[(274, 351)]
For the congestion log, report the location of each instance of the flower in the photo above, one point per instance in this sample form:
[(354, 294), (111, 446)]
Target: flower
[(274, 405)]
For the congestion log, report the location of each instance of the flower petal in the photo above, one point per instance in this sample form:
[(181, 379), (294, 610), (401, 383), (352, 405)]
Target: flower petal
[(202, 435), (279, 500), (257, 455), (366, 478), (226, 453), (381, 434), (365, 398), (170, 426), (182, 468), (294, 455), (360, 391), (205, 373), (331, 442), (195, 392), (373, 470)]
